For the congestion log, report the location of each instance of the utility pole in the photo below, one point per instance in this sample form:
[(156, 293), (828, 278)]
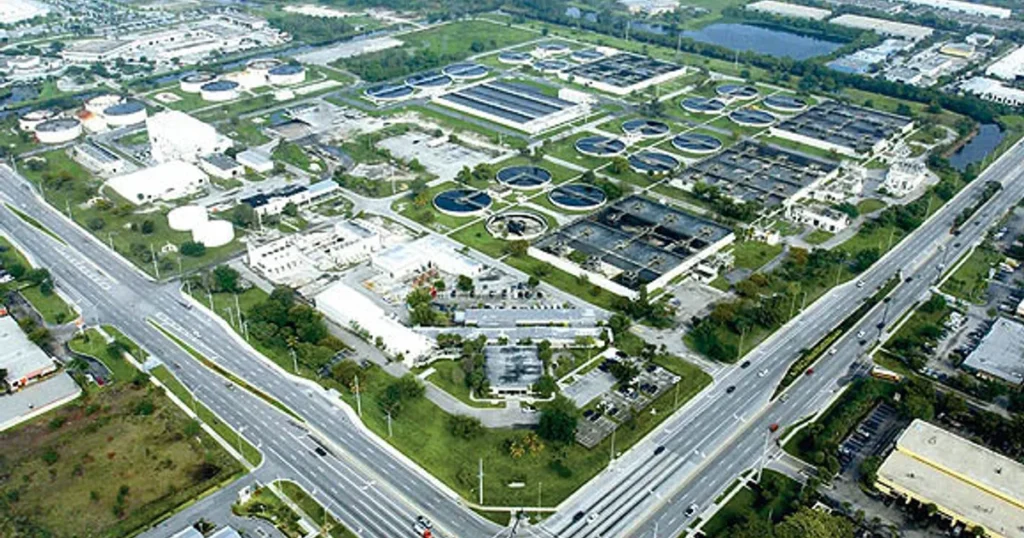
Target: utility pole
[(152, 254), (209, 297), (238, 311), (480, 475), (181, 273), (764, 456), (676, 404), (239, 436), (739, 349), (110, 241), (295, 360), (359, 399), (611, 455), (540, 488), (67, 207), (390, 431)]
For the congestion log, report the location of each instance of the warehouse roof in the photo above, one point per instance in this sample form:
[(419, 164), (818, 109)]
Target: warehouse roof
[(512, 317), (1001, 352), (789, 10), (18, 355), (883, 26)]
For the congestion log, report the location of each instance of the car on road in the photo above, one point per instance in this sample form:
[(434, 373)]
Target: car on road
[(862, 341), (692, 509), (745, 364), (320, 451), (577, 516), (593, 517), (810, 371), (659, 450), (422, 520), (762, 373), (909, 279), (730, 389), (833, 351), (773, 427), (861, 333), (860, 283)]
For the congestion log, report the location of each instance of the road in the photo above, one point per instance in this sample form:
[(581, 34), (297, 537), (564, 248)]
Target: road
[(370, 488), (722, 434)]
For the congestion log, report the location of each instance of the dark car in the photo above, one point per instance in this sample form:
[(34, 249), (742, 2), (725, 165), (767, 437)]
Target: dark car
[(659, 450), (320, 451), (745, 364), (731, 389), (577, 516)]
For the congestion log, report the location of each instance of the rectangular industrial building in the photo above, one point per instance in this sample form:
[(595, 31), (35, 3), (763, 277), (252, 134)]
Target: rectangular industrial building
[(98, 159), (428, 252), (23, 360), (632, 244), (623, 73), (786, 9), (298, 259), (970, 485), (754, 172), (164, 182), (528, 317), (512, 370), (993, 90), (967, 8), (1000, 354), (176, 136), (884, 27), (847, 129), (1009, 67), (514, 105)]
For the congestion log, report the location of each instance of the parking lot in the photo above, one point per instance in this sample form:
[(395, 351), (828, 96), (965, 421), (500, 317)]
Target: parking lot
[(871, 437)]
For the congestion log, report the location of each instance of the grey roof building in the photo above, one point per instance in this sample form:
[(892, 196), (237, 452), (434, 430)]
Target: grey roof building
[(1000, 355)]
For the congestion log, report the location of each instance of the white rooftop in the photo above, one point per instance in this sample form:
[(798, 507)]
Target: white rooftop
[(883, 26), (1008, 67), (1001, 352), (429, 251), (166, 181), (18, 355), (789, 10)]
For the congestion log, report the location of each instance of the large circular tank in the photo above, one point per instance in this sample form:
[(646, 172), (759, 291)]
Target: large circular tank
[(219, 90), (517, 225), (462, 202), (525, 177), (515, 58), (465, 71), (750, 117), (388, 92), (785, 103), (736, 91), (652, 162), (262, 66), (577, 197), (129, 112), (98, 104), (187, 218), (194, 82), (213, 233), (287, 74), (600, 146), (702, 105), (29, 120), (644, 128), (58, 131)]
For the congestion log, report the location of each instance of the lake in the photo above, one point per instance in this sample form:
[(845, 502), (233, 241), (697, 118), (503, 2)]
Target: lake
[(976, 149), (750, 38)]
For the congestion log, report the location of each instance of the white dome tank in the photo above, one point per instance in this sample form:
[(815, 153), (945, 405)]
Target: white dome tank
[(187, 218), (214, 233)]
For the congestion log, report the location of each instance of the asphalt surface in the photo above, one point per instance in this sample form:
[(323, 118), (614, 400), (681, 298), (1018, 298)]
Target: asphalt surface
[(721, 435), (369, 488), (376, 493)]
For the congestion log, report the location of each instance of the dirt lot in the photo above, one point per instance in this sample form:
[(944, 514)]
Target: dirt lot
[(104, 465)]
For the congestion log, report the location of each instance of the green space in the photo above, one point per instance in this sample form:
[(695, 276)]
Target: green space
[(120, 457), (802, 148), (476, 236), (970, 281), (754, 254), (138, 138), (565, 150), (578, 286), (451, 378), (315, 511), (293, 154), (771, 499), (266, 505), (437, 114), (869, 205), (420, 208), (818, 237), (915, 340), (90, 342), (129, 344), (35, 286), (136, 233)]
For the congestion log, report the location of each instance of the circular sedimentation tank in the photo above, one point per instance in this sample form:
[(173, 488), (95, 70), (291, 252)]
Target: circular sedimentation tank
[(652, 162), (193, 83), (702, 105), (517, 225), (785, 103), (129, 112), (701, 144), (600, 146), (526, 177), (749, 117), (430, 79), (515, 58), (551, 66), (219, 90), (58, 130), (577, 197), (737, 91), (99, 103), (465, 71), (388, 92), (645, 128), (462, 202), (552, 49)]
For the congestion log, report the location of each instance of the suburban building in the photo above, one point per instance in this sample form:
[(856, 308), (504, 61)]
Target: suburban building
[(884, 27), (1009, 67), (274, 202), (819, 216), (1000, 354), (526, 317), (904, 176), (429, 252), (786, 9), (24, 361), (176, 136), (993, 90), (221, 166), (968, 484), (164, 182)]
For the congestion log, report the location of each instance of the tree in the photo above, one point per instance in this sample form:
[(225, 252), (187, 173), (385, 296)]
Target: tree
[(809, 523), (147, 227), (465, 427), (345, 372), (225, 279), (193, 249), (545, 386), (243, 215), (558, 421), (37, 276), (464, 284), (291, 209)]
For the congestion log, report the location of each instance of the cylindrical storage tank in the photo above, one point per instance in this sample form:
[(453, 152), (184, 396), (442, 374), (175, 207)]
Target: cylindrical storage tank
[(220, 90), (262, 66), (193, 83), (29, 120), (129, 112), (214, 233), (58, 131), (288, 74), (187, 218), (98, 104)]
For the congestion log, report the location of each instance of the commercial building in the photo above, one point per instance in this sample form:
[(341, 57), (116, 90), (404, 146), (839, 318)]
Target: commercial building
[(623, 73), (754, 172), (256, 159), (426, 253), (819, 216), (98, 159), (351, 309), (514, 105), (632, 244), (650, 7), (1000, 354), (164, 182), (884, 27), (92, 51), (24, 361), (847, 129), (967, 8), (786, 9), (528, 317), (176, 136), (1009, 67), (221, 166), (904, 176), (993, 90), (968, 484), (512, 370), (297, 259), (274, 202)]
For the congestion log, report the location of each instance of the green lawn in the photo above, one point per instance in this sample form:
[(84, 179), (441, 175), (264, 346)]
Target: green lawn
[(314, 510), (50, 306), (869, 205), (754, 254), (476, 236), (120, 457), (818, 237), (92, 343), (565, 281), (450, 378), (970, 281)]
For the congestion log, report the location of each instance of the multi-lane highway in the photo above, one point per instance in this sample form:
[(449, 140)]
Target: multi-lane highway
[(378, 493)]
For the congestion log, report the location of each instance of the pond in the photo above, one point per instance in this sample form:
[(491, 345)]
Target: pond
[(978, 148), (750, 38)]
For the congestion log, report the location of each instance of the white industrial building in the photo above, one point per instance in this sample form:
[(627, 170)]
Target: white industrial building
[(353, 310), (1009, 67), (256, 159), (297, 259), (968, 8), (904, 176), (166, 181), (993, 90), (1000, 354), (786, 9), (650, 7), (176, 136), (429, 252), (23, 360), (221, 166), (274, 202), (818, 216), (884, 27), (98, 159)]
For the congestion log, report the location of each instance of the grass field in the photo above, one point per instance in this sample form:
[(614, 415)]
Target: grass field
[(970, 281), (91, 343), (754, 254), (818, 237), (565, 281), (119, 457), (51, 306), (449, 377), (314, 510), (869, 205)]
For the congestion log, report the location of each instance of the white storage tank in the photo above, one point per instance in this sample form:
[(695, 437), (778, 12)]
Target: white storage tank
[(219, 90), (129, 112), (288, 74), (194, 82), (187, 218), (98, 104), (58, 131), (214, 233), (262, 66), (29, 120)]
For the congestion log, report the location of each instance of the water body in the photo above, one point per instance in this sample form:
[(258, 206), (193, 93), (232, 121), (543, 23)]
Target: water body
[(976, 149), (750, 38)]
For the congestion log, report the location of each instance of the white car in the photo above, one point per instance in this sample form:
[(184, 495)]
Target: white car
[(833, 351), (860, 283), (691, 510), (593, 517), (861, 333), (762, 373)]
